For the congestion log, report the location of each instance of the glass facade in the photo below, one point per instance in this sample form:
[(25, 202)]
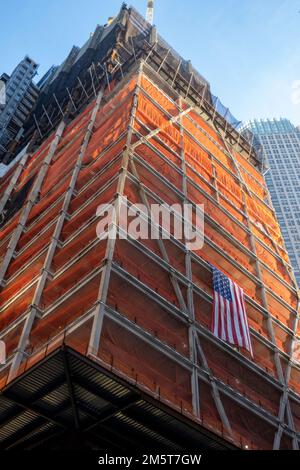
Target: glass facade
[(21, 95), (281, 143)]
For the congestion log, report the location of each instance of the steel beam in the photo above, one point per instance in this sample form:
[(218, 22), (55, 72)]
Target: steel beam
[(54, 242), (105, 277), (30, 203), (14, 179)]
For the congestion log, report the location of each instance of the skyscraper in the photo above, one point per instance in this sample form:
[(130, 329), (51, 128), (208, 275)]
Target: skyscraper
[(20, 97), (109, 340), (281, 143)]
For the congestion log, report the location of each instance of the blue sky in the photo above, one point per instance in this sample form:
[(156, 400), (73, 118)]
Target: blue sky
[(249, 50)]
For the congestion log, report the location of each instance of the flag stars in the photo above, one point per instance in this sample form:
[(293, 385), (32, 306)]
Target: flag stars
[(221, 284)]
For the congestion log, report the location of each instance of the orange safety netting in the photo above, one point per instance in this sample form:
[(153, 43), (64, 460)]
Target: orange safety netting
[(145, 328), (145, 365)]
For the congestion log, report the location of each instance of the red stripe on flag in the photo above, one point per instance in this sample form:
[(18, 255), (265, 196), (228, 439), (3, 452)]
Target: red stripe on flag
[(229, 322)]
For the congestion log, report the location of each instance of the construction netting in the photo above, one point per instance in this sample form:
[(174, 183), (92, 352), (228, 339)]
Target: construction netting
[(152, 148)]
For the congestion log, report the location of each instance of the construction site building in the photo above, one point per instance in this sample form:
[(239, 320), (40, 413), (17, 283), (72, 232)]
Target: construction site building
[(109, 341)]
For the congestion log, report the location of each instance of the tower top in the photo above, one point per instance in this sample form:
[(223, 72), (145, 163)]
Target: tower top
[(150, 11)]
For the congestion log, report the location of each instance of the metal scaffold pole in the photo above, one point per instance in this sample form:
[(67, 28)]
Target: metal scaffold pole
[(34, 311), (105, 276)]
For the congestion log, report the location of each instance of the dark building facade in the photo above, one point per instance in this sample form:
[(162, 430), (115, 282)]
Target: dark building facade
[(20, 97)]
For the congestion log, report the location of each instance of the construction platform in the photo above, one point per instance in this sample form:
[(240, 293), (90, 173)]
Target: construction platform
[(70, 402)]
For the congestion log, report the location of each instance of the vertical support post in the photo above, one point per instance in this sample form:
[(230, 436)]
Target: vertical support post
[(285, 405), (105, 276), (30, 203), (190, 292), (45, 271), (215, 181), (214, 387), (14, 179), (194, 341)]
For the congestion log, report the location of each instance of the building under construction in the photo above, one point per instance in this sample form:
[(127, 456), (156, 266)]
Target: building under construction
[(109, 342)]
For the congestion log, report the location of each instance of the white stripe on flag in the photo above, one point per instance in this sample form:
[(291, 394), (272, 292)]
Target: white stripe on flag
[(222, 316), (236, 318), (230, 322), (216, 314), (239, 307), (246, 335), (229, 325)]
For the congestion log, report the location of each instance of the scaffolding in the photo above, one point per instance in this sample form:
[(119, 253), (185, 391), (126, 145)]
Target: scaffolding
[(143, 308)]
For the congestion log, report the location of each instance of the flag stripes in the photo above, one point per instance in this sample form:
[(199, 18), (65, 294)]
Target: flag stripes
[(230, 321)]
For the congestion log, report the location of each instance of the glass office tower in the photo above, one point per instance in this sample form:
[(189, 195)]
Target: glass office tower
[(281, 142)]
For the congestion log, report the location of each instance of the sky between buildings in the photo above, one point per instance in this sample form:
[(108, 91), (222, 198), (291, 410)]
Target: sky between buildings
[(249, 50)]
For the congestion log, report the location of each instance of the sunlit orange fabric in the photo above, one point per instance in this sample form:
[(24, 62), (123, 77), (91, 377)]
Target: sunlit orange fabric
[(186, 160)]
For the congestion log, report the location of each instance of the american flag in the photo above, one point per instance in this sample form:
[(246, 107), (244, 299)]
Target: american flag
[(229, 314)]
